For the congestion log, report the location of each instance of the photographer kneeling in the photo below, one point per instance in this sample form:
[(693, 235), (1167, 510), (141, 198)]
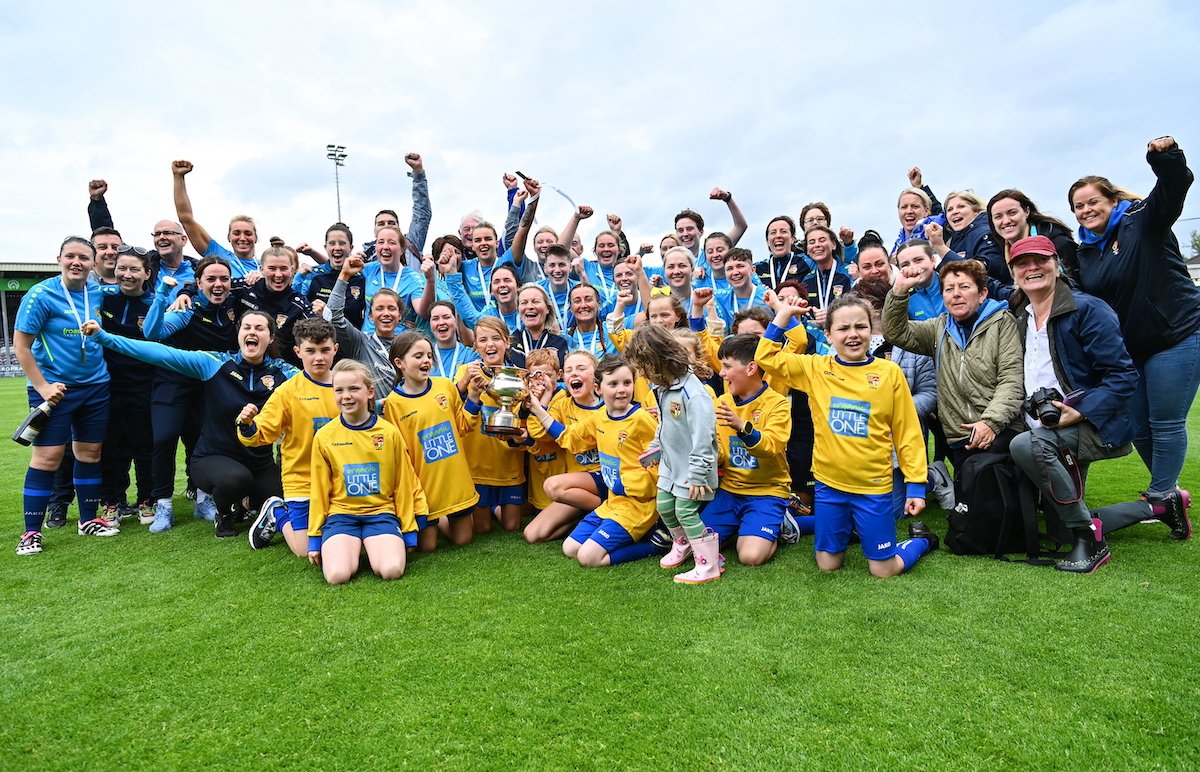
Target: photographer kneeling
[(1073, 346)]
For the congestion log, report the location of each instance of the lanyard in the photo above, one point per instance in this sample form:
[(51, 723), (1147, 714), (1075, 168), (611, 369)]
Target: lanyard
[(566, 306), (483, 285), (823, 299), (531, 344), (781, 277), (87, 308), (733, 300), (589, 347), (600, 275), (453, 363)]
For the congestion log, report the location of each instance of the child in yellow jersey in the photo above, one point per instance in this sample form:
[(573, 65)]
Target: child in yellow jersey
[(544, 458), (615, 532), (433, 419), (580, 487), (661, 310), (295, 411), (363, 486), (754, 423), (497, 467), (861, 409)]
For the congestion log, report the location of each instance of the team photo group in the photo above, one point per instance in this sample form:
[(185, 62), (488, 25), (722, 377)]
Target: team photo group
[(703, 395)]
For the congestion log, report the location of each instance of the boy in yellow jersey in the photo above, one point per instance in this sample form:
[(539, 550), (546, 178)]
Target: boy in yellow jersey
[(754, 423), (621, 432), (546, 458), (294, 412), (861, 409), (364, 490)]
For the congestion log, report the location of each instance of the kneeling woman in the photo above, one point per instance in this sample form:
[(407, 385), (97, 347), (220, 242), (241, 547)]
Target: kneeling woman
[(365, 492), (616, 532), (220, 464)]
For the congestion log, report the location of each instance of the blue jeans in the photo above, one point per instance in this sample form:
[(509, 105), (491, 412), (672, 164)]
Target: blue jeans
[(1159, 407)]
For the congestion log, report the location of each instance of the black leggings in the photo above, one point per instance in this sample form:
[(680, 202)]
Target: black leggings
[(230, 480), (130, 440), (175, 412)]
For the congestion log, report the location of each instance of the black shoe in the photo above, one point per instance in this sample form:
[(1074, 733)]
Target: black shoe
[(56, 516), (1172, 509), (1089, 553), (918, 530), (224, 525), (264, 526)]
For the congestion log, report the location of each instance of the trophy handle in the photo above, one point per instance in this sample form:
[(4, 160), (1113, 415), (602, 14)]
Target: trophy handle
[(487, 370)]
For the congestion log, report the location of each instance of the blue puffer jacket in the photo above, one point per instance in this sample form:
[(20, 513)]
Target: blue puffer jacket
[(1137, 269), (1088, 354), (976, 242)]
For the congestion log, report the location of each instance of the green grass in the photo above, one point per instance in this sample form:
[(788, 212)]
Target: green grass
[(180, 650)]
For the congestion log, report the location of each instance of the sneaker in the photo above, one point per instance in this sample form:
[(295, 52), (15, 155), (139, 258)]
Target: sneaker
[(1172, 510), (263, 530), (789, 531), (30, 544), (223, 526), (97, 527), (56, 516), (164, 517), (660, 537), (941, 485), (918, 530), (145, 512), (206, 507), (111, 514)]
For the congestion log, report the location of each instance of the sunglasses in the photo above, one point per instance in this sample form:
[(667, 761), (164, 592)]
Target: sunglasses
[(156, 234), (126, 248)]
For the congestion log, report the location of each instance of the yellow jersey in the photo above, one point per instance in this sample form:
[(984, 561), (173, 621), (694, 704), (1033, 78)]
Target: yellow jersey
[(434, 424), (493, 461), (295, 411), (756, 466)]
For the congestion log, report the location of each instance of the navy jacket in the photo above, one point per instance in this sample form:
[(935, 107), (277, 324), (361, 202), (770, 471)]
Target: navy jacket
[(976, 242), (1089, 354), (1140, 272)]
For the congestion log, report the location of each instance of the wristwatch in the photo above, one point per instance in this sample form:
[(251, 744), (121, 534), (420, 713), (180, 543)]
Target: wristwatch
[(746, 430)]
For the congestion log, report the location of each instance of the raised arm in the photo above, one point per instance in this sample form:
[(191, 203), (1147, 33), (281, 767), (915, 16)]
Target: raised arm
[(418, 228), (200, 365), (567, 235), (183, 208), (98, 214), (739, 220), (521, 237)]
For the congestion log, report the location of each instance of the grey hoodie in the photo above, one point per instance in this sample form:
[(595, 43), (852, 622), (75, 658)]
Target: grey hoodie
[(687, 434)]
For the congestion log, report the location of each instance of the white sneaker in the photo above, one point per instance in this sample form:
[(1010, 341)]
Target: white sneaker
[(97, 527), (941, 485)]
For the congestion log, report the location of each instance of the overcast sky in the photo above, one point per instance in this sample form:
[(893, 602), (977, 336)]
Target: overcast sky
[(630, 107)]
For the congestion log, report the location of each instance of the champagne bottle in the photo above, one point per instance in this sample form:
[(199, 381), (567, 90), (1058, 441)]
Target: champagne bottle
[(29, 429)]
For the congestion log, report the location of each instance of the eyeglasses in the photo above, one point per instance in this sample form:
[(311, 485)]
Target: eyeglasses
[(140, 251), (816, 221), (156, 234)]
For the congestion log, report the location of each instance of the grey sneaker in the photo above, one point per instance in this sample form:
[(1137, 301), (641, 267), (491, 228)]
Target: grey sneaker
[(56, 516), (941, 485)]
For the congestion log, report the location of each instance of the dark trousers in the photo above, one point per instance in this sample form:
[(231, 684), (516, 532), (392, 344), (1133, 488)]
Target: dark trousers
[(230, 480), (130, 440), (175, 410)]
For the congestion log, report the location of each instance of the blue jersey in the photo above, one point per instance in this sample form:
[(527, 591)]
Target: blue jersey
[(238, 267), (407, 283), (53, 315), (184, 273), (601, 277), (562, 301), (729, 304)]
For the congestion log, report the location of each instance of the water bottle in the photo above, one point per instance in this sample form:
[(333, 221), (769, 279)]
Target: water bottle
[(31, 427)]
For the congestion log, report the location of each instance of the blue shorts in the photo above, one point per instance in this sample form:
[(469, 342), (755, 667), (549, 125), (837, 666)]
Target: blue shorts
[(492, 496), (424, 522), (601, 486), (294, 511), (364, 527), (609, 534), (838, 512), (81, 415), (733, 513)]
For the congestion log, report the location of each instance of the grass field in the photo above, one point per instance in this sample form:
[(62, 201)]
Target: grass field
[(181, 651)]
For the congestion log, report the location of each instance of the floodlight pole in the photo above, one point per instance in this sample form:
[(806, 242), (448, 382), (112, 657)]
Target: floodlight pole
[(337, 154)]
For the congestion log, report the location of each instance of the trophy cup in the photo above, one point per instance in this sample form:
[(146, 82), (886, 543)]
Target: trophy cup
[(508, 388)]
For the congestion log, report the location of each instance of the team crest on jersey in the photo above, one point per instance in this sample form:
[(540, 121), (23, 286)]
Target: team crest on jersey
[(793, 269), (676, 409), (268, 381), (377, 441), (280, 319), (621, 437), (837, 291), (873, 380), (443, 403), (356, 292), (1116, 248), (756, 416), (232, 316), (141, 321)]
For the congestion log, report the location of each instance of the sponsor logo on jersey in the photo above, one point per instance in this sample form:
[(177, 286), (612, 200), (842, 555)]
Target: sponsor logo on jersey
[(588, 457), (610, 472), (361, 479), (739, 456), (318, 422), (437, 442), (849, 417)]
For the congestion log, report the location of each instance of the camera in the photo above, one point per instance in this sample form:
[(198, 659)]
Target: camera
[(1040, 406)]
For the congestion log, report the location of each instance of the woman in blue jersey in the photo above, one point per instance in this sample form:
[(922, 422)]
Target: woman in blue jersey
[(68, 371), (243, 233), (587, 333), (449, 352), (221, 464)]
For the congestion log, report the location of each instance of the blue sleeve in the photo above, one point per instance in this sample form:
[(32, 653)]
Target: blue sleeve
[(849, 253), (935, 206), (314, 543), (418, 229), (160, 323), (697, 324), (462, 300), (914, 490), (773, 333), (1099, 336), (200, 365), (555, 429), (472, 407), (33, 312), (754, 438)]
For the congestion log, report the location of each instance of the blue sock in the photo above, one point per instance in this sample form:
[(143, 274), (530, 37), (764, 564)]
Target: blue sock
[(39, 484), (87, 489), (911, 550), (631, 552), (807, 524)]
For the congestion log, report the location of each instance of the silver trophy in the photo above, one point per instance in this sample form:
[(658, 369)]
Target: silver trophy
[(508, 388)]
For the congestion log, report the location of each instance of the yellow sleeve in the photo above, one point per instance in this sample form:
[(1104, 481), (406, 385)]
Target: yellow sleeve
[(271, 421), (790, 369), (709, 346), (796, 339), (409, 496), (643, 394), (578, 437), (776, 429), (620, 338), (322, 489), (906, 432), (556, 408)]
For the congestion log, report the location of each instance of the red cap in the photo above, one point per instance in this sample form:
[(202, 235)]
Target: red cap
[(1031, 245)]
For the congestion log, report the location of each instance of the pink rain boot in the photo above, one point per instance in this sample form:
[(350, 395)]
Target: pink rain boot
[(681, 549), (708, 566)]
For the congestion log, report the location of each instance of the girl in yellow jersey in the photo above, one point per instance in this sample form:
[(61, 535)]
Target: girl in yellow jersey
[(580, 487), (544, 458), (861, 409), (621, 432), (497, 467), (431, 415), (295, 411), (363, 486)]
